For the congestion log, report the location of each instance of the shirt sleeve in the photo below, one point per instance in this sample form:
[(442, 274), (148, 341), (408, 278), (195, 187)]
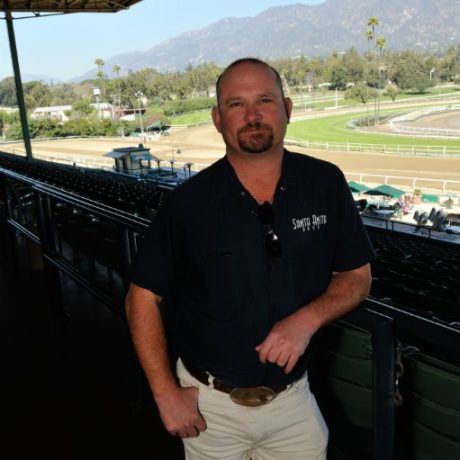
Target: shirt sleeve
[(353, 246), (154, 267)]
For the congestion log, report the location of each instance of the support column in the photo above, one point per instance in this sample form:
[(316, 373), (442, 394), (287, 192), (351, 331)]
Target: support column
[(18, 82)]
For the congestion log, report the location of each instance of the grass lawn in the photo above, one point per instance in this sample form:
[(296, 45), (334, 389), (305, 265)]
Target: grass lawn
[(334, 129), (194, 118)]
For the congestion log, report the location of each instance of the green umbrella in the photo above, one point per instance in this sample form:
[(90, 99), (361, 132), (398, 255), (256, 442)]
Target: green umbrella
[(386, 190), (356, 187)]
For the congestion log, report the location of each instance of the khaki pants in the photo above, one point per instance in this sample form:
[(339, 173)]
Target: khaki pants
[(290, 427)]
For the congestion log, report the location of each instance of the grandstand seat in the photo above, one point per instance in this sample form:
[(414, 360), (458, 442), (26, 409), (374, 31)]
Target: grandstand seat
[(430, 389), (422, 219), (20, 202), (361, 204), (341, 379)]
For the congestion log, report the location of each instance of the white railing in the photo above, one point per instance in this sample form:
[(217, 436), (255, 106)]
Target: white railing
[(399, 149), (442, 185), (410, 182), (401, 124)]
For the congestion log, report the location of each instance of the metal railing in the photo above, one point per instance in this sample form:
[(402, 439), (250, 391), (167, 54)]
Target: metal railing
[(380, 319)]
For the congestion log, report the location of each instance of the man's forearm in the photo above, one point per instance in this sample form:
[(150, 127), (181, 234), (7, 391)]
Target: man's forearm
[(148, 335), (178, 406), (290, 337), (346, 290)]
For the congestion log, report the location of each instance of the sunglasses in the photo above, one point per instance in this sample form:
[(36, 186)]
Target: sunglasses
[(272, 242)]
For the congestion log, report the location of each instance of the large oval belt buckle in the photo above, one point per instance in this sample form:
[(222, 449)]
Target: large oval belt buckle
[(252, 396)]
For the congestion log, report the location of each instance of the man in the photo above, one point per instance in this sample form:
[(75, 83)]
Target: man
[(248, 259)]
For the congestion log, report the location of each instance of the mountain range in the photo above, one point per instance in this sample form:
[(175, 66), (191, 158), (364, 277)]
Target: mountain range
[(299, 29)]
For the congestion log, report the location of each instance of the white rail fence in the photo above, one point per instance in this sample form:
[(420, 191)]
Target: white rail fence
[(401, 124), (411, 183), (398, 149)]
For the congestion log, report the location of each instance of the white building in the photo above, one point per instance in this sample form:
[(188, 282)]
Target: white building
[(60, 111)]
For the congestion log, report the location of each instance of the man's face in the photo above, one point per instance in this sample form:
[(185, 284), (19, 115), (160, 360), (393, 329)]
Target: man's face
[(252, 114)]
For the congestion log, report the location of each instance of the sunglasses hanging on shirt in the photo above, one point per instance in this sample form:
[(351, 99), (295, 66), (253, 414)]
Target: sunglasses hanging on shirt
[(272, 242)]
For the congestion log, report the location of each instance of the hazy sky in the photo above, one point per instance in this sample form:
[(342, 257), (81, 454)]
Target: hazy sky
[(65, 46)]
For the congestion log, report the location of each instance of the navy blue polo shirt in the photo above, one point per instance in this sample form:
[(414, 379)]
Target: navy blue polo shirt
[(205, 255)]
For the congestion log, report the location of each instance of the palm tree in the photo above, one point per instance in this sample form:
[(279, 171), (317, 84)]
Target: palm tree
[(100, 64), (116, 70), (372, 23), (100, 73), (369, 37), (381, 44)]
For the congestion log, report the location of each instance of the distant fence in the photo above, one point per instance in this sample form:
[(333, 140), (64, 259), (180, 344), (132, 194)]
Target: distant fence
[(100, 163), (399, 149), (400, 124), (440, 185), (443, 186)]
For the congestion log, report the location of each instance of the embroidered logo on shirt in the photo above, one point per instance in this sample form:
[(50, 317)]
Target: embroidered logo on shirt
[(307, 224)]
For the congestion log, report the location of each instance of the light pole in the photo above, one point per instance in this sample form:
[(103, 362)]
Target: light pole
[(174, 151)]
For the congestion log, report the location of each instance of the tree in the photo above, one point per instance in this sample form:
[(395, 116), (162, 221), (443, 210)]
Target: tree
[(391, 91), (338, 78), (116, 70), (381, 44), (8, 92), (82, 107), (354, 65), (361, 92), (36, 94), (100, 64), (100, 73), (421, 82), (372, 22), (411, 72)]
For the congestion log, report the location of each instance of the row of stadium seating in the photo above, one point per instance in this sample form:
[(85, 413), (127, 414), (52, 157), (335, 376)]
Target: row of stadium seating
[(417, 273), (407, 268), (137, 196)]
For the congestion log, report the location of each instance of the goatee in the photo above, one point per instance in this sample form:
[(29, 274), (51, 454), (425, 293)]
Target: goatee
[(255, 137)]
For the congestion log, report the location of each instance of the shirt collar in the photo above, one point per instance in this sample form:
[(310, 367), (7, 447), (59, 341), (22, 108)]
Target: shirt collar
[(292, 172), (225, 181)]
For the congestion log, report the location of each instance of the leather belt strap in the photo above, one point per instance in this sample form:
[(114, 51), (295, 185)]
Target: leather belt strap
[(203, 377)]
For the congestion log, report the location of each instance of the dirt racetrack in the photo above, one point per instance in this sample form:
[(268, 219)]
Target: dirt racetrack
[(203, 145)]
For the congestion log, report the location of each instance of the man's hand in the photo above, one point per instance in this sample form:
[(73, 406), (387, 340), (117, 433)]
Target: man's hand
[(290, 337), (285, 343), (179, 412)]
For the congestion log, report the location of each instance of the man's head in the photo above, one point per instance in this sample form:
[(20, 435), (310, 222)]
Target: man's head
[(252, 111), (249, 60)]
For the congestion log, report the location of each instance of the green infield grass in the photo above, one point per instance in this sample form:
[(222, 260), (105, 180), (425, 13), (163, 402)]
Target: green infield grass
[(335, 129), (194, 118)]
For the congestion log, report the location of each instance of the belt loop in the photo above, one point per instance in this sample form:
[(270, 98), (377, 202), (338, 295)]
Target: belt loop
[(210, 380)]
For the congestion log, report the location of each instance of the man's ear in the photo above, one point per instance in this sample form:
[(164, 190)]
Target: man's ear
[(216, 118), (288, 108)]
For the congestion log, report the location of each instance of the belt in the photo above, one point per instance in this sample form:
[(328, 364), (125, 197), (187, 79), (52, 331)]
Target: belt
[(244, 396)]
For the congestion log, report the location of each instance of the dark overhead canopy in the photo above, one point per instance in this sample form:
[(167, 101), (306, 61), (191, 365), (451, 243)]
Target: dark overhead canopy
[(66, 6)]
